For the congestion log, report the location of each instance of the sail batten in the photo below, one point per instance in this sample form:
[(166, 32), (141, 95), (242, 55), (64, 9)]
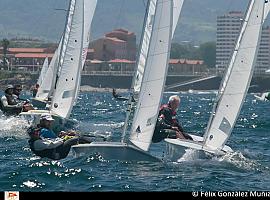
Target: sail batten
[(232, 94)]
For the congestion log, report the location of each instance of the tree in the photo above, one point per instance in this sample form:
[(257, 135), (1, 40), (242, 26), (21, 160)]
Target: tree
[(5, 44), (208, 53), (186, 51)]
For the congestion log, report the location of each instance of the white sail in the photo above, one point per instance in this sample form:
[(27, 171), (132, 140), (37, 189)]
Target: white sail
[(89, 10), (48, 83), (144, 49), (144, 45), (43, 71), (177, 7), (70, 62), (237, 79), (154, 76)]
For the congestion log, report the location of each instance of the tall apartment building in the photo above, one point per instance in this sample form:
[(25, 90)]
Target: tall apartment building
[(228, 28)]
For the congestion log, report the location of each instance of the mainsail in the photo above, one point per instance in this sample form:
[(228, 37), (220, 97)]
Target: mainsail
[(70, 61), (144, 50), (89, 10), (177, 7), (237, 79), (154, 76)]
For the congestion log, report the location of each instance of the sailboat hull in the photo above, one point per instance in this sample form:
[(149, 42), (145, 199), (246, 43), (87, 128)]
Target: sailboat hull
[(113, 151), (176, 148)]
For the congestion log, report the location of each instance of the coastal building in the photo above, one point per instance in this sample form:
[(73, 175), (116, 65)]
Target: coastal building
[(127, 67), (118, 44), (228, 27)]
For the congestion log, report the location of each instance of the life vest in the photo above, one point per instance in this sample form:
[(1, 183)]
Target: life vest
[(173, 113), (34, 133)]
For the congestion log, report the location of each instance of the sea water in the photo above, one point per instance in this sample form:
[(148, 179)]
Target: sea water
[(98, 113)]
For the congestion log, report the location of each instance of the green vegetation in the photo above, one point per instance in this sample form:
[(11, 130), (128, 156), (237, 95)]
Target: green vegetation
[(205, 52)]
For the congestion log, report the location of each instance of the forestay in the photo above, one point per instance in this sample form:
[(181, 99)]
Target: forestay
[(237, 79), (154, 76)]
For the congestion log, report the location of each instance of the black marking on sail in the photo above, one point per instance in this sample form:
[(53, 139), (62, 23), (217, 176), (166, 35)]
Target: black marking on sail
[(68, 94), (225, 126), (138, 129), (150, 121), (45, 91)]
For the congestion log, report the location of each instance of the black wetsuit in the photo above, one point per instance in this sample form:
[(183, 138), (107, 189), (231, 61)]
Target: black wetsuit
[(118, 97), (167, 120), (57, 153)]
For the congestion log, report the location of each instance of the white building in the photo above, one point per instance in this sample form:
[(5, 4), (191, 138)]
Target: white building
[(228, 27)]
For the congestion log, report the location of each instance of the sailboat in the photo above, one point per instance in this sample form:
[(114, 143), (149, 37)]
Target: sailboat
[(41, 78), (232, 91), (46, 88), (43, 71), (154, 57), (71, 58)]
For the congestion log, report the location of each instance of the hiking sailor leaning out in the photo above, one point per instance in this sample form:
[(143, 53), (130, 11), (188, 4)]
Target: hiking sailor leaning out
[(9, 103), (45, 143), (167, 125)]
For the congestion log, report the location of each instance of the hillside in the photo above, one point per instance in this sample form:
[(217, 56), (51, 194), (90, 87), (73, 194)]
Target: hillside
[(43, 19)]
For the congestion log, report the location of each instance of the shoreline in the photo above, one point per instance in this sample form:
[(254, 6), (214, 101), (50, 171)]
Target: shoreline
[(87, 88)]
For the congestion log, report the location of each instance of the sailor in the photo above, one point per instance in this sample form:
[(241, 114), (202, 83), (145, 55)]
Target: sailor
[(34, 89), (16, 95), (167, 125), (45, 143), (9, 104), (117, 96)]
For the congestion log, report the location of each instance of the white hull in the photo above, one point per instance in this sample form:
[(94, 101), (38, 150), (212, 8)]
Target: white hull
[(113, 151), (176, 148)]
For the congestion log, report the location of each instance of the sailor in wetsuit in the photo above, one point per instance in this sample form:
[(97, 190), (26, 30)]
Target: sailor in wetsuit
[(117, 96), (45, 143), (167, 125)]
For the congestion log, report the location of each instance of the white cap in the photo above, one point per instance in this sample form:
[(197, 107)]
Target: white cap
[(47, 117)]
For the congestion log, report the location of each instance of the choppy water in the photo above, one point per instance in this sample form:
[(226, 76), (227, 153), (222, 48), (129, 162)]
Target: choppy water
[(246, 169)]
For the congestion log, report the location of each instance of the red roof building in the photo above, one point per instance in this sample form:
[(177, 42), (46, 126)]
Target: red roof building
[(119, 44)]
